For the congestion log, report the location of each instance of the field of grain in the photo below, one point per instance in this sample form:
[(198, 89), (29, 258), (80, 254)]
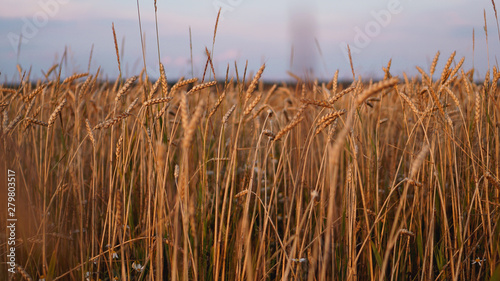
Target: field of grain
[(237, 179)]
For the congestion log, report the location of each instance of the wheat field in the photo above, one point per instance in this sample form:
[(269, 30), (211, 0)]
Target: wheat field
[(237, 179)]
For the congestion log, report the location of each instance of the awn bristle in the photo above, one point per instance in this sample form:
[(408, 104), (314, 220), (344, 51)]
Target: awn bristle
[(56, 111)]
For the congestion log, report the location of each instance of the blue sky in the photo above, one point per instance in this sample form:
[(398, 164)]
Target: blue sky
[(409, 32)]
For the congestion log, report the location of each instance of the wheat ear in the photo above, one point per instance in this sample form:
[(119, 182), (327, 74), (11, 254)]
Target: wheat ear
[(56, 111), (125, 87), (254, 82)]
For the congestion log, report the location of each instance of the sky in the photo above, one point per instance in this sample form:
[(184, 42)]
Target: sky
[(288, 35)]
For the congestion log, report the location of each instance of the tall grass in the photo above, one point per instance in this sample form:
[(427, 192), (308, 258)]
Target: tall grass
[(401, 183), (242, 180)]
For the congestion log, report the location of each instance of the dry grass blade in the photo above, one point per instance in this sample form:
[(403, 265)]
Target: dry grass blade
[(56, 111)]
